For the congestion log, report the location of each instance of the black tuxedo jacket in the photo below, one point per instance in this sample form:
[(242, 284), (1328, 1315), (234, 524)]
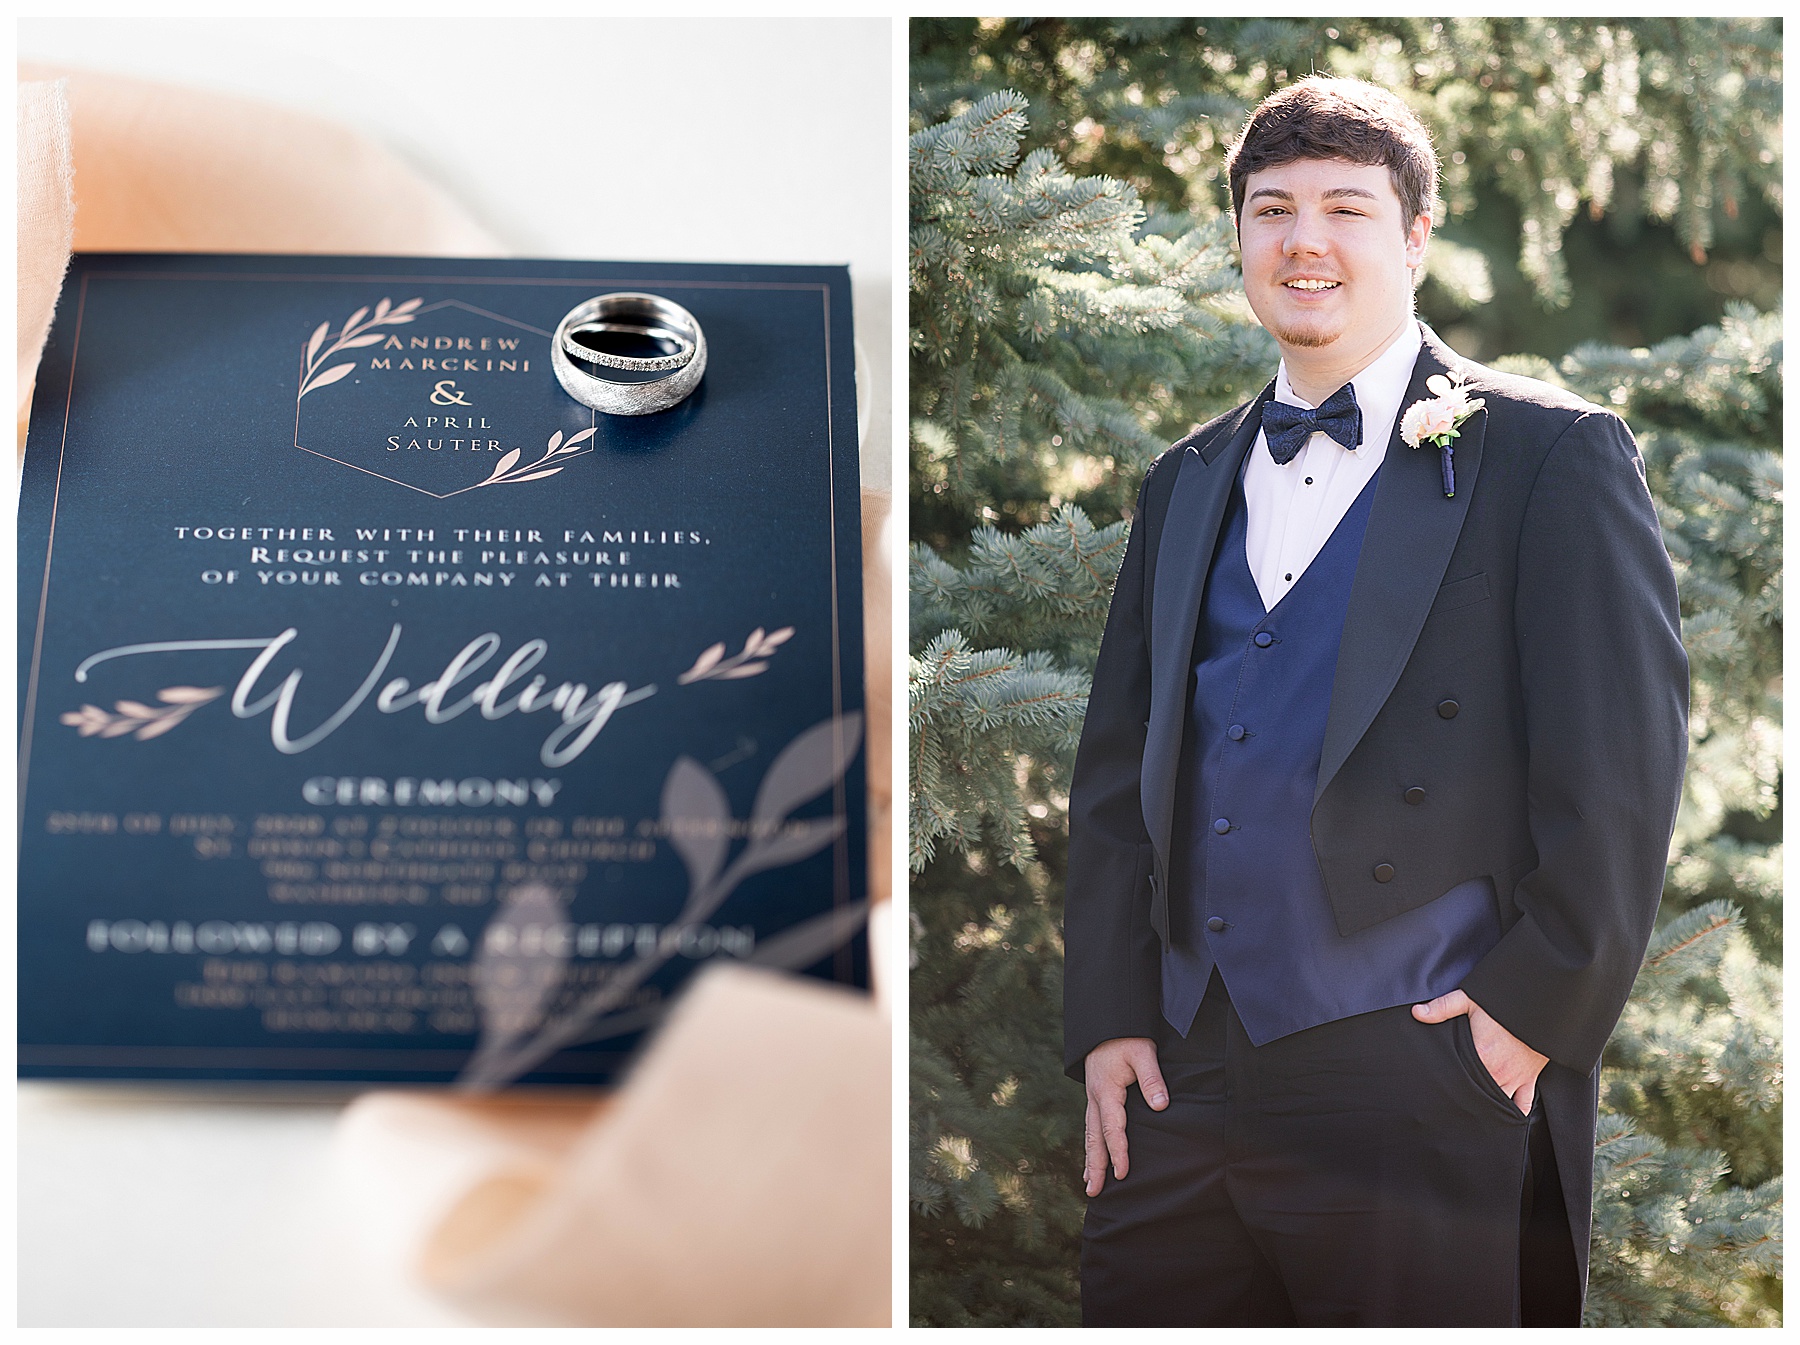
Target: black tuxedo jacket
[(1515, 651)]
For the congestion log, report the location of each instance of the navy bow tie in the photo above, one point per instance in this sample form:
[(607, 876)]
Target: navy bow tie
[(1287, 428)]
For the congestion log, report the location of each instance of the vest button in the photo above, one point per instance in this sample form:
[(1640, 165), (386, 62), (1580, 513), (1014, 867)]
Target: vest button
[(1235, 733), (1264, 639), (1384, 873), (1415, 795), (1222, 826), (1448, 709), (1216, 925)]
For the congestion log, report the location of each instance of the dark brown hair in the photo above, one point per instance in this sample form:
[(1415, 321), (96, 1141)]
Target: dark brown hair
[(1322, 117)]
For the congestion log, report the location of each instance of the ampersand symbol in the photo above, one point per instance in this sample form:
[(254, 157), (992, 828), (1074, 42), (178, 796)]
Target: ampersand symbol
[(445, 394)]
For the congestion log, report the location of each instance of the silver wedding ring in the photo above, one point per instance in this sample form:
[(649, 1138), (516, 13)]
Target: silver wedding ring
[(583, 371), (582, 352)]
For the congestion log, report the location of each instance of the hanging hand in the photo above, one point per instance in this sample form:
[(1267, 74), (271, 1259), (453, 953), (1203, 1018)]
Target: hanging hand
[(1112, 1067)]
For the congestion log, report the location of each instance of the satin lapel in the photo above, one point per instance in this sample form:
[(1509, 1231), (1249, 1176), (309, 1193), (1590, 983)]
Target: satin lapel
[(1412, 531), (1190, 533)]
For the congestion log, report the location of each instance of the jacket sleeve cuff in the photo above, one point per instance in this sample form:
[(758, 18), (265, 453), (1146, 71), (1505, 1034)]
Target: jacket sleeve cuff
[(1557, 1006)]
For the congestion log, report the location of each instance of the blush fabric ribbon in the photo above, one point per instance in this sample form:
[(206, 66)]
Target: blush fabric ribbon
[(1287, 427)]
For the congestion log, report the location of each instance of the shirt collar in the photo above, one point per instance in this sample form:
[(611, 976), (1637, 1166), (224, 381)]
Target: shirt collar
[(1380, 387)]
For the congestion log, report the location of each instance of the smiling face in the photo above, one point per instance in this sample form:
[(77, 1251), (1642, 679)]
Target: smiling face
[(1328, 263)]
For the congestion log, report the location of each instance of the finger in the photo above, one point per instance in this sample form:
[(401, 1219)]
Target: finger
[(1093, 1167), (1112, 1131), (1522, 1099), (1443, 1008)]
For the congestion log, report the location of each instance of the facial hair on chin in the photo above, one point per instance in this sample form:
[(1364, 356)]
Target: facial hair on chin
[(1305, 338)]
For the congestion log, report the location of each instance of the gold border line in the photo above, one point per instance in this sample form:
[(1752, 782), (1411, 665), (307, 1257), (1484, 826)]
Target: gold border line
[(840, 850), (37, 641), (245, 1057), (336, 279)]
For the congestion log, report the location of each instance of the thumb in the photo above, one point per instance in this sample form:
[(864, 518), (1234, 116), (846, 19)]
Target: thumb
[(1443, 1008), (1149, 1076), (1150, 1081)]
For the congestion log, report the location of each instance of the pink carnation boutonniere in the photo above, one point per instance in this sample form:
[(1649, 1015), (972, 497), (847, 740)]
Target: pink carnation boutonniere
[(1438, 420)]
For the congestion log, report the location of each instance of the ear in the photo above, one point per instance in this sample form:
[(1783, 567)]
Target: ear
[(1416, 238)]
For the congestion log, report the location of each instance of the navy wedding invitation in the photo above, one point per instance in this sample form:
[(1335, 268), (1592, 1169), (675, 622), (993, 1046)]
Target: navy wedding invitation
[(389, 715)]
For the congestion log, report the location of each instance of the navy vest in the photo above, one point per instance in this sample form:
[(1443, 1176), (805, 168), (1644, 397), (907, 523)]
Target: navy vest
[(1244, 885)]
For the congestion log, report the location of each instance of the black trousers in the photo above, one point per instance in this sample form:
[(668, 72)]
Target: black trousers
[(1367, 1172)]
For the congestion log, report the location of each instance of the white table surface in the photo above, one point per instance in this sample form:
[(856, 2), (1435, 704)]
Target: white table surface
[(163, 1210), (756, 140)]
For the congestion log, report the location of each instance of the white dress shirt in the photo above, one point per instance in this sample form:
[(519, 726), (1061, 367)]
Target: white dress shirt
[(1295, 507)]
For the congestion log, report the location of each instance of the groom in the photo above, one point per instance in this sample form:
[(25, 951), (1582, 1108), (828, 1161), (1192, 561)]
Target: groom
[(1373, 800)]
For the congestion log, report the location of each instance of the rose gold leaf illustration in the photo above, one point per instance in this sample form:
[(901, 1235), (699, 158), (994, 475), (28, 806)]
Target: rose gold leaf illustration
[(745, 670), (803, 944), (574, 439), (318, 339), (189, 695), (806, 767), (515, 982), (555, 439), (795, 842), (398, 317), (136, 709), (355, 318), (118, 728), (771, 642), (368, 340), (534, 476), (753, 639), (702, 665), (381, 309), (697, 815), (158, 728), (515, 979), (504, 465), (331, 375), (88, 721), (406, 308)]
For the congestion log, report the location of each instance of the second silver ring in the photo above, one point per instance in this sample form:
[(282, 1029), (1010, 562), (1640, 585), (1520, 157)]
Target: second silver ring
[(585, 375)]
